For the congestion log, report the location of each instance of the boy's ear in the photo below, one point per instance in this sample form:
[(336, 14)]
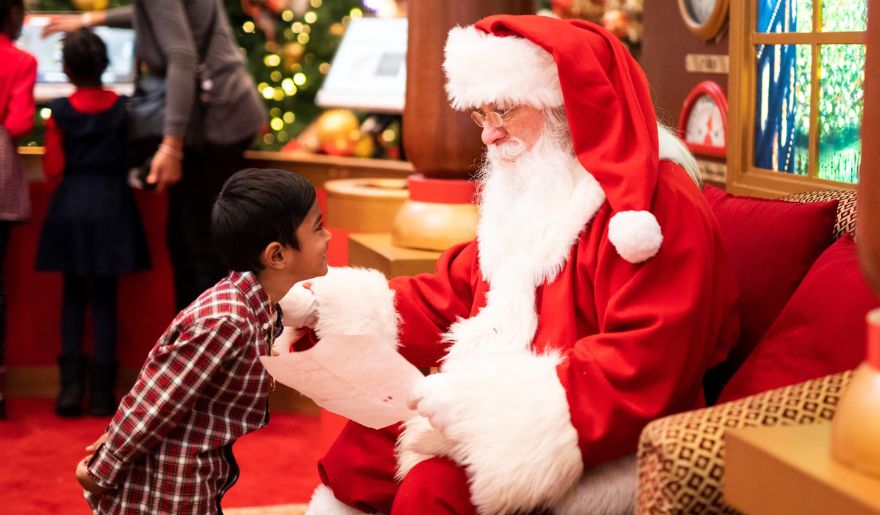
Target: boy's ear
[(274, 256)]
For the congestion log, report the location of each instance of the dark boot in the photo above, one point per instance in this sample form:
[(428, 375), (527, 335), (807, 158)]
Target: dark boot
[(102, 401), (73, 376)]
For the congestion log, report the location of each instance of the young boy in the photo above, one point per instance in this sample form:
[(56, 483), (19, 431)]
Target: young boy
[(168, 449)]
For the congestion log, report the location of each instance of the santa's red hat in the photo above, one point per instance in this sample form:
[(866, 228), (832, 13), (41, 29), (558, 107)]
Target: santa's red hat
[(547, 63)]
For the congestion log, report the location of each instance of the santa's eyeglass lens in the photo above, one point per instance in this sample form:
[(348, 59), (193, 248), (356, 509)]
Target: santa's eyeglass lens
[(492, 118)]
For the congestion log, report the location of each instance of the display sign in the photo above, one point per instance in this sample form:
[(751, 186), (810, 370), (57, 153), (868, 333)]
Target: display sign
[(706, 63), (368, 72), (51, 80)]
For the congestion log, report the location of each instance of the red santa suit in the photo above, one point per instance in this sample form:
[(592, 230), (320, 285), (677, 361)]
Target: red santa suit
[(555, 350)]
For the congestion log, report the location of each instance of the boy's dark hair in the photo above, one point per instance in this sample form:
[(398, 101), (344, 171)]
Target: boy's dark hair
[(6, 9), (256, 207), (85, 56)]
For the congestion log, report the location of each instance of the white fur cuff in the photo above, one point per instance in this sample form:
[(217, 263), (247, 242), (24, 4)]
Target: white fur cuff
[(512, 430), (325, 503), (635, 234), (355, 301)]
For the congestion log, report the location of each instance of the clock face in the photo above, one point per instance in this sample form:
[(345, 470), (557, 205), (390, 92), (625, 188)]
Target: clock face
[(705, 125), (700, 10)]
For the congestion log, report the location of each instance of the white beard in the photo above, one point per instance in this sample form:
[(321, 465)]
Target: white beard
[(532, 210), (523, 200)]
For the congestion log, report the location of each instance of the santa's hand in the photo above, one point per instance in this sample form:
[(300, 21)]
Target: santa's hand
[(299, 307), (433, 399)]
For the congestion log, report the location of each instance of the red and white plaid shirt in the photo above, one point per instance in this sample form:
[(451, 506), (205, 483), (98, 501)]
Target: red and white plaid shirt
[(169, 446)]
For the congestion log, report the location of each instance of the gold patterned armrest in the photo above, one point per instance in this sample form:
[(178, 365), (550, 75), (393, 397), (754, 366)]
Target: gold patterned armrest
[(681, 457), (846, 207)]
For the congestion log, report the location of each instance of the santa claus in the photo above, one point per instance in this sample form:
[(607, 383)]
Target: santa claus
[(593, 300)]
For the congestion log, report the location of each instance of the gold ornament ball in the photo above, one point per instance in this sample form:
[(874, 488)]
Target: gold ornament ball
[(335, 125), (365, 147), (90, 5)]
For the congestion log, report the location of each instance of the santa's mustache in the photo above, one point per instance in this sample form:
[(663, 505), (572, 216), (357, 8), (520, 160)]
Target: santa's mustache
[(510, 150)]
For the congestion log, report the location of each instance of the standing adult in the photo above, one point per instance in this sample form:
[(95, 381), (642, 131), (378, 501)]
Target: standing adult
[(17, 75), (212, 113), (594, 299)]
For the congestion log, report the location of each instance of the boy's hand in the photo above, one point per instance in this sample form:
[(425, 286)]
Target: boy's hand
[(94, 447), (299, 307), (85, 479)]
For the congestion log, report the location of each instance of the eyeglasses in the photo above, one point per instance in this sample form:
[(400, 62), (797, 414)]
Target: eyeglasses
[(492, 118)]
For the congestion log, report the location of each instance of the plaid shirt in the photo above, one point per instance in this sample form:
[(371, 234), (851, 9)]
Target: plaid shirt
[(169, 446)]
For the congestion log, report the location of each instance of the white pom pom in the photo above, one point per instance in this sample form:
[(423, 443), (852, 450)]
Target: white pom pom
[(635, 234)]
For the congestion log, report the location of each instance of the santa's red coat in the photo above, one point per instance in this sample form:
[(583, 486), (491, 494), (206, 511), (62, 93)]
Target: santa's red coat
[(634, 341), (637, 338)]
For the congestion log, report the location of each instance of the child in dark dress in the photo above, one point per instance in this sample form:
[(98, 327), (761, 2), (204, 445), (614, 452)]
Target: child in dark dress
[(93, 232)]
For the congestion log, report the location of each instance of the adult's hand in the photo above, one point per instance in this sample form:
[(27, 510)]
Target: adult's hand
[(299, 307), (433, 399), (167, 166), (71, 22)]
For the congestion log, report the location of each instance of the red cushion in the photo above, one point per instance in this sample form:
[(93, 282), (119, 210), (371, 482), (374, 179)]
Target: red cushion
[(821, 331), (771, 245)]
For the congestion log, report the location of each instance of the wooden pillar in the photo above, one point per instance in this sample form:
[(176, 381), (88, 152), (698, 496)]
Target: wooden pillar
[(441, 144), (439, 141), (869, 176)]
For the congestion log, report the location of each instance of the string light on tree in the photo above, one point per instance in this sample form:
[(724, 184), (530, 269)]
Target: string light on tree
[(287, 62)]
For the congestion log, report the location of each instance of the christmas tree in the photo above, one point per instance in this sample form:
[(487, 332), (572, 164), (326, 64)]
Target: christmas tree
[(290, 44)]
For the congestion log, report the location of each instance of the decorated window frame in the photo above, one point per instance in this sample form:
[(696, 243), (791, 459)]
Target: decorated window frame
[(746, 44)]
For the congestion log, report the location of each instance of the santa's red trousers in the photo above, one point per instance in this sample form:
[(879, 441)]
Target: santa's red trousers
[(360, 467)]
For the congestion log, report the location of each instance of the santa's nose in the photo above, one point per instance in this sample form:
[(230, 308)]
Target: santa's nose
[(493, 135)]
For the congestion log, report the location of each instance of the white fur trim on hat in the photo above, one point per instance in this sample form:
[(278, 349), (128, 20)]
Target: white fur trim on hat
[(325, 503), (485, 69), (635, 234)]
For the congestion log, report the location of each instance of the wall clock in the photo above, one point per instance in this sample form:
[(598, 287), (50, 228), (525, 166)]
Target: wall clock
[(705, 18), (703, 120)]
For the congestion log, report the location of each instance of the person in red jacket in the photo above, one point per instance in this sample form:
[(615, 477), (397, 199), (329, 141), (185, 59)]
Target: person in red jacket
[(593, 300), (17, 76)]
